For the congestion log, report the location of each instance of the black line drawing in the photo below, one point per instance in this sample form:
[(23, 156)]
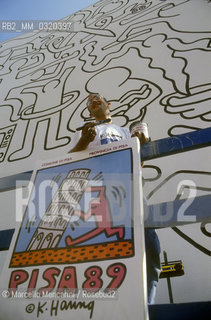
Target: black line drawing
[(47, 63)]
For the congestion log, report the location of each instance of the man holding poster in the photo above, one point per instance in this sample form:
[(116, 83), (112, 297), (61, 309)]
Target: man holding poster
[(103, 131), (79, 249)]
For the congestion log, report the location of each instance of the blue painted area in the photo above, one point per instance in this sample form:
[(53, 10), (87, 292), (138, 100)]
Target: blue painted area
[(9, 182), (152, 150), (179, 212), (159, 216), (177, 144)]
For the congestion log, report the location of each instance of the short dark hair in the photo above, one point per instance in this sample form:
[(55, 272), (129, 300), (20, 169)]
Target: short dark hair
[(97, 93)]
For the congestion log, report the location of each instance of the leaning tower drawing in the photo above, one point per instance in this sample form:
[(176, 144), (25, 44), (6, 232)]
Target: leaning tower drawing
[(59, 212)]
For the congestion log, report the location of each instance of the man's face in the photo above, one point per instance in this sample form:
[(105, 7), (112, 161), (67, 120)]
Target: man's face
[(97, 106)]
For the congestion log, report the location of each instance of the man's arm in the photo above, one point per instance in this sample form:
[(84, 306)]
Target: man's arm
[(88, 135), (142, 138)]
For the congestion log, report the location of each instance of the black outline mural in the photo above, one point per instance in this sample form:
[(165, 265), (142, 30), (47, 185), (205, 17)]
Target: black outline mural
[(50, 74)]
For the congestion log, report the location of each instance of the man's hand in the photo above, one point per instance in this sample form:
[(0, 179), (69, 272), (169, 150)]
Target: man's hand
[(141, 136), (88, 135), (88, 132)]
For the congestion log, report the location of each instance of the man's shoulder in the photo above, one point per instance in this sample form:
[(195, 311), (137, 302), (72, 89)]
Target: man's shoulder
[(121, 128), (125, 129)]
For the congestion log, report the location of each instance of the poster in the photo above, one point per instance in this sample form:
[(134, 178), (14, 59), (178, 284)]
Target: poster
[(79, 250)]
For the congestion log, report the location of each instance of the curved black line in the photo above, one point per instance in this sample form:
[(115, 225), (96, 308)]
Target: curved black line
[(204, 231), (114, 194), (170, 134), (123, 191), (173, 175), (191, 241), (159, 172), (119, 194), (98, 176)]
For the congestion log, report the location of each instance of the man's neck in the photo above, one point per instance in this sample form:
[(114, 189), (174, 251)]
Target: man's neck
[(106, 120)]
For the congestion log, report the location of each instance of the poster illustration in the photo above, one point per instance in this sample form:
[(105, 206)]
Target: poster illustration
[(79, 247)]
